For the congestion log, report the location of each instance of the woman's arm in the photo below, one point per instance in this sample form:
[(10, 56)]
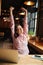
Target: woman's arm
[(12, 20), (12, 27), (25, 23)]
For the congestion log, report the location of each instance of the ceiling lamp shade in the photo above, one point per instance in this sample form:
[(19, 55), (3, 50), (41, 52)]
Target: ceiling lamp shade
[(29, 3)]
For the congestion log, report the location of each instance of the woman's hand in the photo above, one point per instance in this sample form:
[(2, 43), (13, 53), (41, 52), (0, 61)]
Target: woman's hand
[(23, 9), (11, 8)]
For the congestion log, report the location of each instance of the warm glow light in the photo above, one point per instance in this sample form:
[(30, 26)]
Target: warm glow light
[(4, 10), (29, 3), (17, 18), (22, 13), (3, 17), (6, 19)]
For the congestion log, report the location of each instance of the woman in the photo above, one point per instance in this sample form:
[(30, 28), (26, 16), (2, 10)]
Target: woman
[(20, 43)]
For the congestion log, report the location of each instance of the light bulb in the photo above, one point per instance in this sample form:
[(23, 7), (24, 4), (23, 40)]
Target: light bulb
[(30, 3)]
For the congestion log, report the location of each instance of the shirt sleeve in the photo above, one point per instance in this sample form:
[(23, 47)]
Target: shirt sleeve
[(12, 23), (25, 26)]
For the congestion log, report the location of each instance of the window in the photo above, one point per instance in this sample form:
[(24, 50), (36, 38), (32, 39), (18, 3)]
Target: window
[(32, 21)]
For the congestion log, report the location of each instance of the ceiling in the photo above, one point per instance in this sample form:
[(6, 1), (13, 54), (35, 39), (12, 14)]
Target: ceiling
[(16, 3)]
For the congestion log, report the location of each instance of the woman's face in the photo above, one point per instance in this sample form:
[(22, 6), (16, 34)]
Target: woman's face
[(19, 30)]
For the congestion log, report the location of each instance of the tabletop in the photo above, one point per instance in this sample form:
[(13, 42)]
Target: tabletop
[(36, 45), (26, 60)]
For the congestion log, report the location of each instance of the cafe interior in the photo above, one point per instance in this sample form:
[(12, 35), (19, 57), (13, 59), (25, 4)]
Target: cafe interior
[(35, 24)]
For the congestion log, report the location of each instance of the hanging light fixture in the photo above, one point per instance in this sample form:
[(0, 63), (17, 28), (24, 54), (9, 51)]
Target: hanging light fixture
[(29, 2), (22, 13), (16, 18)]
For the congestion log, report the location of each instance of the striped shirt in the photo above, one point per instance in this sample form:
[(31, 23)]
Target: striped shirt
[(20, 43)]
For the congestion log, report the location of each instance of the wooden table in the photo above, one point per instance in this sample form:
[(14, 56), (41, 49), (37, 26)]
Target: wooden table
[(25, 60), (38, 46)]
